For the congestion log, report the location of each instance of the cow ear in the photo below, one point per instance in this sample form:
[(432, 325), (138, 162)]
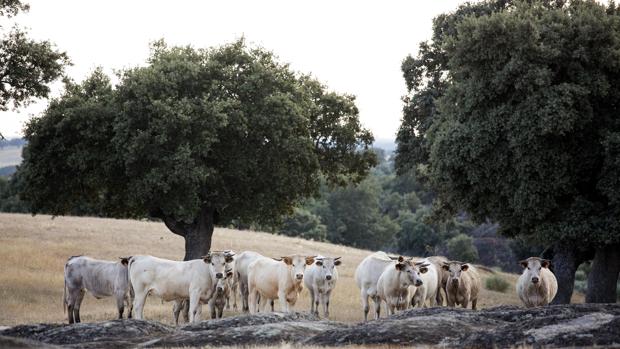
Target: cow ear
[(287, 260), (401, 259), (446, 267), (319, 263), (337, 262), (229, 273), (124, 260), (207, 258), (229, 258), (423, 270), (464, 267), (545, 263), (309, 260), (523, 263), (400, 266)]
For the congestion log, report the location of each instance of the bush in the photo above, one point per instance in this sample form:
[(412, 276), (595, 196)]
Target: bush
[(461, 247), (496, 283)]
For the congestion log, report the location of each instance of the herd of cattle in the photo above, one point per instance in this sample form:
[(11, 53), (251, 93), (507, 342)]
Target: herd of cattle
[(397, 282)]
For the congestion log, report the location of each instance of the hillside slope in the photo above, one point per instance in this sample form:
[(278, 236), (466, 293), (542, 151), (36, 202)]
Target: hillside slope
[(34, 250)]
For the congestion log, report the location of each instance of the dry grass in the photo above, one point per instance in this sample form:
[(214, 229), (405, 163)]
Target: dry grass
[(33, 251)]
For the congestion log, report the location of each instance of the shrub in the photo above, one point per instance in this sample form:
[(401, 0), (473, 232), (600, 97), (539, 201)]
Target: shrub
[(496, 283)]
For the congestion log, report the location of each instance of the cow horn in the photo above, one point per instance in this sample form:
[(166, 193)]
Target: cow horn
[(337, 258), (393, 258)]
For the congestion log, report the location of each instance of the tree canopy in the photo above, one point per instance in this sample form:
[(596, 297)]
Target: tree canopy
[(194, 136), (26, 66), (513, 117)]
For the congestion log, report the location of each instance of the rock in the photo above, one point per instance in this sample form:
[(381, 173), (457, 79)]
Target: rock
[(20, 343), (505, 326)]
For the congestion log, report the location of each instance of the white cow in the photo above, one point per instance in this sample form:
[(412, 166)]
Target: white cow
[(276, 278), (537, 285), (393, 284), (100, 278), (242, 261), (366, 277), (429, 288), (175, 281), (320, 279)]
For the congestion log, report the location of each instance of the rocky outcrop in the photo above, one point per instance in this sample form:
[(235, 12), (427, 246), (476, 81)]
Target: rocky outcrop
[(507, 326)]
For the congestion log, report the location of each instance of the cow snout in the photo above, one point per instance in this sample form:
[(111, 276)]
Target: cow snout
[(418, 282), (220, 289), (328, 277), (455, 282), (535, 280), (219, 275), (299, 276)]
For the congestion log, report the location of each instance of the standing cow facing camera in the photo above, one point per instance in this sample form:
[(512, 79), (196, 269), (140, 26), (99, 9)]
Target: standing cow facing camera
[(537, 285), (100, 278), (320, 279), (276, 278), (463, 284), (393, 284)]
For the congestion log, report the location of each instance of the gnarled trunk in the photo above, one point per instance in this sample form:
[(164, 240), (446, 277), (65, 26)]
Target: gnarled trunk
[(565, 263), (197, 234), (603, 278)]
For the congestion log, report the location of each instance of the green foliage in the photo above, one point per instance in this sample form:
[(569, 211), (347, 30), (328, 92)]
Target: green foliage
[(512, 116), (461, 247), (415, 237), (496, 283), (27, 66), (9, 199), (228, 130), (304, 224)]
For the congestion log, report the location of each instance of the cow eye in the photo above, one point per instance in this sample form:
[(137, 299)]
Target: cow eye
[(212, 263), (528, 268)]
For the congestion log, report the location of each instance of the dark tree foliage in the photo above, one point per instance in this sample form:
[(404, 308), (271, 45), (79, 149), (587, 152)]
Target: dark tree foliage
[(514, 117), (26, 66), (194, 136)]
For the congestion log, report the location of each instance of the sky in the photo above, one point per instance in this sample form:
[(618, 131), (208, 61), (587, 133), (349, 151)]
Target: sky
[(354, 47)]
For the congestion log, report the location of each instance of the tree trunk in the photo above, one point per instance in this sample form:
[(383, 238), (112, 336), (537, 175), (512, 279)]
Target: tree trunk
[(603, 278), (565, 263), (197, 234)]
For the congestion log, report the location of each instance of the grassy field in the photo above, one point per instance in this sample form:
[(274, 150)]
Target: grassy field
[(33, 251)]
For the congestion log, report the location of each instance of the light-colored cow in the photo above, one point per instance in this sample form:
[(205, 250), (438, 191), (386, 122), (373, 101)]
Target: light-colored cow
[(175, 281), (393, 284), (220, 297), (276, 278), (537, 285), (100, 278), (367, 275), (242, 261), (426, 294), (463, 284), (438, 262), (320, 279)]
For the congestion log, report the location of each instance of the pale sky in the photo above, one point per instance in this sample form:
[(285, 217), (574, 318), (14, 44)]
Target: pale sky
[(354, 47)]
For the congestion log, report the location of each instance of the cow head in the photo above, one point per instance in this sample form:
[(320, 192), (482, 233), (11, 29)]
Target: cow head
[(532, 267), (222, 283), (326, 267), (216, 261), (412, 271), (297, 265), (454, 269)]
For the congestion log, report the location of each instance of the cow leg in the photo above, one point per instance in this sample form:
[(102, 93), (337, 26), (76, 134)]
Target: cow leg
[(283, 301), (129, 299), (272, 302), (473, 303), (233, 294), (243, 290), (325, 302), (365, 305), (194, 316), (138, 304), (312, 299), (252, 301), (212, 308), (120, 304), (220, 312), (72, 297), (76, 307), (377, 302)]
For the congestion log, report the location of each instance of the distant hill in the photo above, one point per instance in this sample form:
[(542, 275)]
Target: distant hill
[(13, 142), (386, 144)]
